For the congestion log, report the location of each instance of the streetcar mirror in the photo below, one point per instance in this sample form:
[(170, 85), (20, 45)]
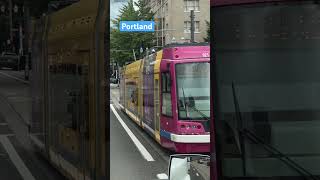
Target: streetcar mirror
[(189, 167)]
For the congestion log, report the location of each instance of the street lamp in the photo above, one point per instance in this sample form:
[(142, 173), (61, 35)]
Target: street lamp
[(15, 9), (3, 8)]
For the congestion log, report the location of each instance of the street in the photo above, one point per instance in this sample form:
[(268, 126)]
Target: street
[(130, 157), (134, 154), (18, 158)]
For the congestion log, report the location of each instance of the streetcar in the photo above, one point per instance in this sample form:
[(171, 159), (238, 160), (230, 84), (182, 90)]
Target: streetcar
[(69, 122), (266, 90), (167, 93)]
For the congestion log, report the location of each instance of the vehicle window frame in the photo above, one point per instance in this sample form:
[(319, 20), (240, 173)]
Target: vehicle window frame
[(165, 81)]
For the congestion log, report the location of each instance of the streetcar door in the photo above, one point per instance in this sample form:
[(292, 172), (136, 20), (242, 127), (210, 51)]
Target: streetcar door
[(157, 106), (166, 103)]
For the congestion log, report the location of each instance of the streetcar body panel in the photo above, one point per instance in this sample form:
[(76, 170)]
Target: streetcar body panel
[(65, 125)]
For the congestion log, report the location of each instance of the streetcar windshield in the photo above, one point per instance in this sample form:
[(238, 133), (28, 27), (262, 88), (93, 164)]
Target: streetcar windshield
[(193, 89), (268, 79)]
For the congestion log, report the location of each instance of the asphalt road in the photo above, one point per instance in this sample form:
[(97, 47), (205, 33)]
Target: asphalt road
[(134, 156), (128, 160), (18, 158)]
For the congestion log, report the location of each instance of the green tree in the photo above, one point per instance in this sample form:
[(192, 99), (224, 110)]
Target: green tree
[(207, 39), (123, 43)]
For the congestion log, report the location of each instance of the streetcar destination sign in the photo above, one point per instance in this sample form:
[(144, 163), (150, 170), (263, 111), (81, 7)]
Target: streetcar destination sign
[(136, 26)]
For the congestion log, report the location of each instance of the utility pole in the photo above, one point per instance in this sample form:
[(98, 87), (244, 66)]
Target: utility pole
[(134, 55), (192, 25), (20, 39), (27, 33), (162, 23), (11, 26), (21, 45)]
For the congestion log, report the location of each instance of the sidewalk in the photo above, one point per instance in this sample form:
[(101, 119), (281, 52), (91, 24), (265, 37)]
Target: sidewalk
[(17, 75), (115, 92), (17, 94), (115, 96)]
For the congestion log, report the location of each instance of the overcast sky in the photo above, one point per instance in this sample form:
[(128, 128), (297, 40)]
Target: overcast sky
[(115, 6)]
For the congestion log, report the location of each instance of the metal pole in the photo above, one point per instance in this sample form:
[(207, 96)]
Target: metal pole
[(134, 55), (20, 40), (21, 45), (192, 25), (162, 23), (27, 33), (157, 33), (98, 92), (11, 24)]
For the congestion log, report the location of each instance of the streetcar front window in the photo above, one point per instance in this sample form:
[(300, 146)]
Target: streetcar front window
[(193, 89), (268, 78)]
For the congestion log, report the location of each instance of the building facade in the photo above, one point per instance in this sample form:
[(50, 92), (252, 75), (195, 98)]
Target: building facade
[(173, 22)]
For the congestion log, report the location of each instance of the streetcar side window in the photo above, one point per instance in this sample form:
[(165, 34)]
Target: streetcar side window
[(166, 94)]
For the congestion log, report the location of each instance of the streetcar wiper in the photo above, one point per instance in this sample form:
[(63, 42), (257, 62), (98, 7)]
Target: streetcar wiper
[(239, 124), (185, 102), (254, 138)]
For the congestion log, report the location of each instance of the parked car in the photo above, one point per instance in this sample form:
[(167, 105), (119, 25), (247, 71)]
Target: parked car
[(11, 60)]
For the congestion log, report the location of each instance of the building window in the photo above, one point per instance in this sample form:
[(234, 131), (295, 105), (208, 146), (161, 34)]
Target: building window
[(187, 26), (191, 5)]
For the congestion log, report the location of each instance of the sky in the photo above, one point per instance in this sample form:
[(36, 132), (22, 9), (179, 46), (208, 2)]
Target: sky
[(115, 6)]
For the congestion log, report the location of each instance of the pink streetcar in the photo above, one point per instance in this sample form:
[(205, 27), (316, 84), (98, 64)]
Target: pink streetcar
[(168, 94)]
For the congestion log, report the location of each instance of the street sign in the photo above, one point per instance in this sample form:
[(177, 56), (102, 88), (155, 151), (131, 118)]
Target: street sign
[(136, 26)]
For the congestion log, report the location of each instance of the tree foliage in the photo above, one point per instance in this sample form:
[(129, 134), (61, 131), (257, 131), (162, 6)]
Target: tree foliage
[(123, 43)]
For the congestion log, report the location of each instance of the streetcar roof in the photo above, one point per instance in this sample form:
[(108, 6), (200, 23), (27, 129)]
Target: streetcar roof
[(186, 52), (234, 2)]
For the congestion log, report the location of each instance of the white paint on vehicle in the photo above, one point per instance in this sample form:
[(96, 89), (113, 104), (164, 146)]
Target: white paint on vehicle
[(162, 176), (148, 127), (135, 140), (190, 138), (15, 158)]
